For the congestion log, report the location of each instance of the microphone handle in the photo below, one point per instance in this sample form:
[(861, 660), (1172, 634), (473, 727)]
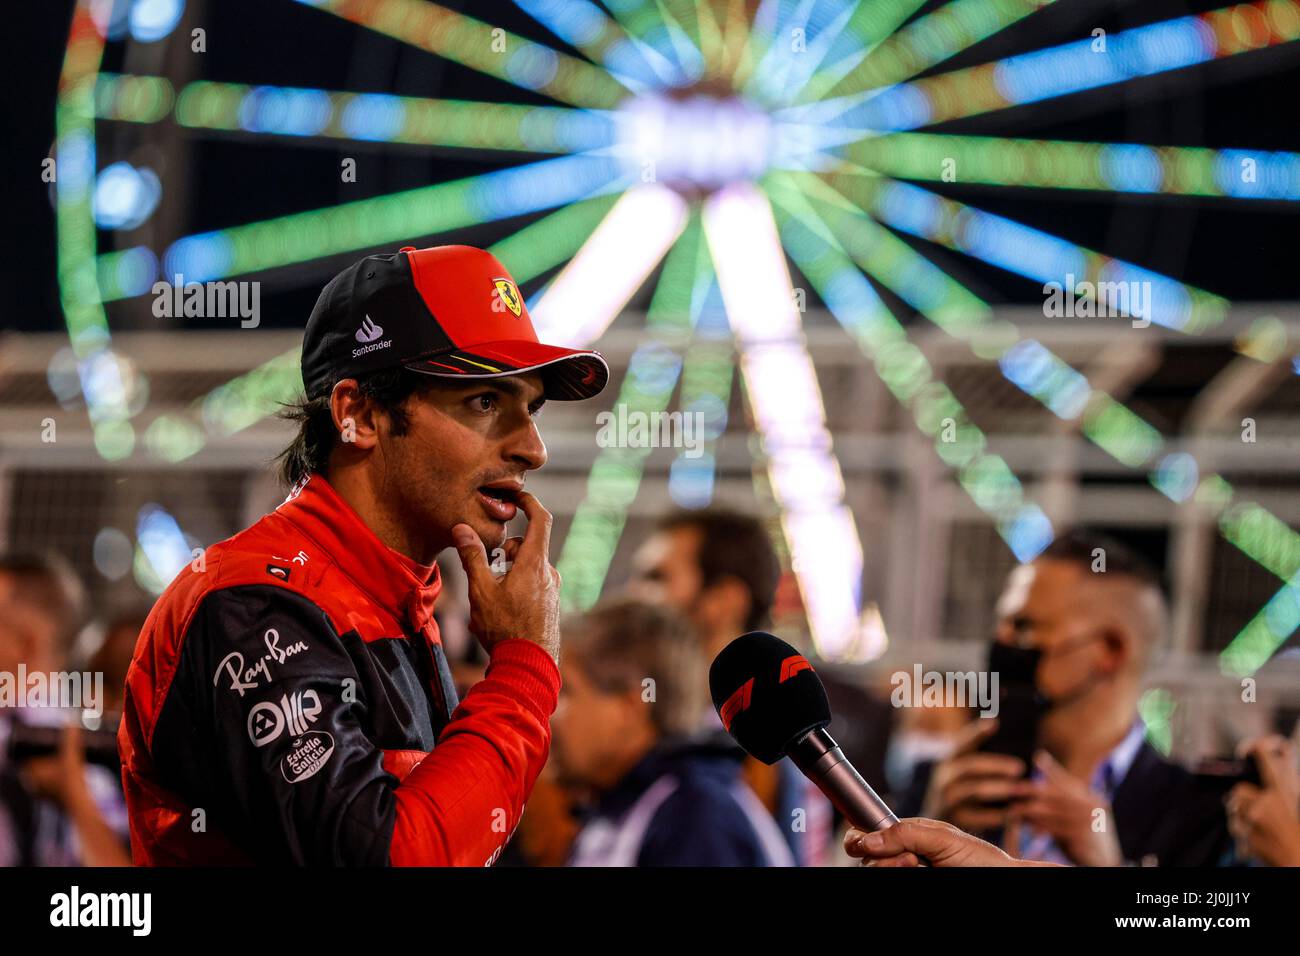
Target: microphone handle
[(820, 759)]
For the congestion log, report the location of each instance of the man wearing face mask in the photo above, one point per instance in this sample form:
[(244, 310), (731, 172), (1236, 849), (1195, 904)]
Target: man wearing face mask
[(1096, 792)]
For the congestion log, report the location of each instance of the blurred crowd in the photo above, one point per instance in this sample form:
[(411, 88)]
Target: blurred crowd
[(642, 773), (61, 801)]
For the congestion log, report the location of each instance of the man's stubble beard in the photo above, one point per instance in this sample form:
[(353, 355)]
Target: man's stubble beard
[(419, 508), (429, 507)]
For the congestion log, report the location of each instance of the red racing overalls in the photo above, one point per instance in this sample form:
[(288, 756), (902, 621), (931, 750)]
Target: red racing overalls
[(291, 703)]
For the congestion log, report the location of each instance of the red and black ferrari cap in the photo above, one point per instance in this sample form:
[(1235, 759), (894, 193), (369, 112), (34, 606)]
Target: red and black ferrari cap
[(451, 311)]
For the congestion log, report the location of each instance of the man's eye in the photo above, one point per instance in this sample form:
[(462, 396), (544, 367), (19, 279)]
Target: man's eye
[(485, 403)]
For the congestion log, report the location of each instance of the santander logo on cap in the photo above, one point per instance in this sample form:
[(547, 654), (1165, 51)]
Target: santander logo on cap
[(369, 331)]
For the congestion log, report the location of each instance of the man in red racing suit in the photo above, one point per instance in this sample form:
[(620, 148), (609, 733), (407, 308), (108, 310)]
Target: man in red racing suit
[(289, 700)]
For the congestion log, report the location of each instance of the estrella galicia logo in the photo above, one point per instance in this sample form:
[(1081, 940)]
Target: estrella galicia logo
[(369, 331), (310, 752)]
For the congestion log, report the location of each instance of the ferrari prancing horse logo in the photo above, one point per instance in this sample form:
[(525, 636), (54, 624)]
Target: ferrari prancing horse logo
[(508, 293)]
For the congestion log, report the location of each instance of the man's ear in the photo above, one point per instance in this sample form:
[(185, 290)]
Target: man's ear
[(356, 417), (1120, 647)]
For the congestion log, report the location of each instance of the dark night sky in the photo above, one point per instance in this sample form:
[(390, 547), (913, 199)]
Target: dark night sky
[(1239, 249)]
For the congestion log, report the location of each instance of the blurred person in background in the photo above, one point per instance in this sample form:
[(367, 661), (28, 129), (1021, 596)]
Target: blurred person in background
[(718, 567), (54, 810), (660, 795), (1265, 819), (922, 736), (1095, 631), (112, 656), (46, 584)]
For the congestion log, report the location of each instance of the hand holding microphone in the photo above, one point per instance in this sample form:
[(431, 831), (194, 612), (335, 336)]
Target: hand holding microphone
[(773, 703), (916, 839)]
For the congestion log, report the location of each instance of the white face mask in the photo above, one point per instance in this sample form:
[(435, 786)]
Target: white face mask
[(909, 748)]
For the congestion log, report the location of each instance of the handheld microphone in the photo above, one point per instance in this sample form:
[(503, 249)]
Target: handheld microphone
[(773, 703)]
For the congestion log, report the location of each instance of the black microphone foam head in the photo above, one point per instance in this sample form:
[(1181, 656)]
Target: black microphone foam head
[(767, 694)]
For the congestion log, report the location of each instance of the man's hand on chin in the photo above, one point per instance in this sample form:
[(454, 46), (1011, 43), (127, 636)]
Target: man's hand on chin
[(524, 602), (917, 841)]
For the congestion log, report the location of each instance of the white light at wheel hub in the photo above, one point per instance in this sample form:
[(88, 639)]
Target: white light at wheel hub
[(701, 141)]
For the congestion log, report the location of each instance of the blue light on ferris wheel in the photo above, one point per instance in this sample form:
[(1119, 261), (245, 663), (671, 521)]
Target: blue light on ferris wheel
[(153, 19)]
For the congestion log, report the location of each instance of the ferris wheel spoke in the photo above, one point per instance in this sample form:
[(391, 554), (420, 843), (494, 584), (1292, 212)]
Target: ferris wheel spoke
[(734, 27), (758, 35), (540, 246), (704, 29), (586, 27), (611, 266), (1030, 252), (986, 477), (325, 116), (888, 259), (1145, 51), (927, 41), (646, 390), (868, 24), (1059, 164), (483, 47), (801, 37), (657, 29), (395, 217), (786, 400)]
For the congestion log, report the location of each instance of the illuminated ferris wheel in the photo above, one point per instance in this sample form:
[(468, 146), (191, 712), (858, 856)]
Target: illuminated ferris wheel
[(712, 143)]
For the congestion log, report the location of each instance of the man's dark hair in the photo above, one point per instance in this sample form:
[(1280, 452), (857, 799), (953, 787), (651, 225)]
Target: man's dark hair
[(310, 449), (1080, 546), (734, 544)]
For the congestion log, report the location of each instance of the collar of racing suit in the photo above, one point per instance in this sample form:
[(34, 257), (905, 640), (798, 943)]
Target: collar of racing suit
[(401, 585)]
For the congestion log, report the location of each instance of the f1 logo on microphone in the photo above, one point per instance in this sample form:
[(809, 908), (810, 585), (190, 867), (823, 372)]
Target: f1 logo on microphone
[(736, 703), (793, 665)]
